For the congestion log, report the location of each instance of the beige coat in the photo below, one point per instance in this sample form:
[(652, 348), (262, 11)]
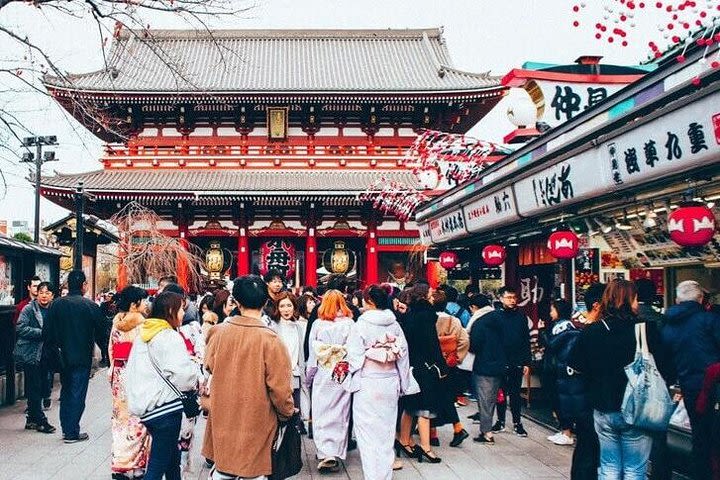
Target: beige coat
[(449, 325), (249, 390)]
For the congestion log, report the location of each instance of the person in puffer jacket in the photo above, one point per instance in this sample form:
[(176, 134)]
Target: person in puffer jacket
[(149, 396)]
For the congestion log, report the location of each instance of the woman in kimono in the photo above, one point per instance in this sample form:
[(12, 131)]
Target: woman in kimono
[(326, 371), (130, 439), (380, 368)]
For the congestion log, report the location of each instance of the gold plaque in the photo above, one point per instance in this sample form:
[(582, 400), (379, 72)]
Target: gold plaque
[(277, 119)]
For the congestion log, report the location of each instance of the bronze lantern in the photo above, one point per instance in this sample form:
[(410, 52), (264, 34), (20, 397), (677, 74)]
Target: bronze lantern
[(339, 259), (214, 260)]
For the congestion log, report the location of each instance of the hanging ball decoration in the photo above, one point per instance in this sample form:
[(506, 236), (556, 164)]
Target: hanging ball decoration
[(691, 225), (563, 244), (448, 260), (493, 255)]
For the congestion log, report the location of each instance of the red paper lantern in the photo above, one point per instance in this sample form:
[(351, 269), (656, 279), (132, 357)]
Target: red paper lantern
[(563, 244), (448, 260), (493, 255), (691, 225)]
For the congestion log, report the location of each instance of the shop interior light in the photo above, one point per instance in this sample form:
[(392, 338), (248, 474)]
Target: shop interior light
[(622, 222), (604, 227), (591, 231)]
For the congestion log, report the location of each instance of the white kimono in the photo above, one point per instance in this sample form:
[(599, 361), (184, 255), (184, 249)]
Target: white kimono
[(330, 401), (380, 368)]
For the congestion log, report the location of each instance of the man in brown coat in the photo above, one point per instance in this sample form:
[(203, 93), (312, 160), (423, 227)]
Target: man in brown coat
[(250, 389)]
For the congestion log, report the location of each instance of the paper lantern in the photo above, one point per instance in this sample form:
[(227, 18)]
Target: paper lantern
[(691, 225), (493, 255), (448, 260), (563, 244), (277, 255)]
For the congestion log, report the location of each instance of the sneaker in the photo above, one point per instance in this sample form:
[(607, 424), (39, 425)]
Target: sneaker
[(483, 439), (520, 430), (562, 439), (46, 404), (45, 427), (552, 438), (498, 427), (475, 417), (30, 425), (80, 438), (461, 401)]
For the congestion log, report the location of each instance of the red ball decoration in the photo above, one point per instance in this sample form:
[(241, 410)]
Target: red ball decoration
[(493, 255), (691, 225), (563, 244), (448, 260)]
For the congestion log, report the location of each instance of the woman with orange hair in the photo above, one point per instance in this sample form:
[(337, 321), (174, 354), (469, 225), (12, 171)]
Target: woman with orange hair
[(326, 371)]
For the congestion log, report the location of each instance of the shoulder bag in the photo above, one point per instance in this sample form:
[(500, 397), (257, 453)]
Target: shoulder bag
[(646, 403), (286, 453), (190, 403)]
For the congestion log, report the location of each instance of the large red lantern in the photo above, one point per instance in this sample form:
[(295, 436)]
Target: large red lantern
[(691, 225), (448, 260), (563, 244), (493, 255)]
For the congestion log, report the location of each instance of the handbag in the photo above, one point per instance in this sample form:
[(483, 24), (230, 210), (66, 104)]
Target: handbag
[(646, 402), (286, 454), (449, 345), (190, 403)]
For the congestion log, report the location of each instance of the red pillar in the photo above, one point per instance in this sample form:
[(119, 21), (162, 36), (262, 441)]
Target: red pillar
[(243, 258), (182, 266), (122, 278), (371, 256), (311, 258)]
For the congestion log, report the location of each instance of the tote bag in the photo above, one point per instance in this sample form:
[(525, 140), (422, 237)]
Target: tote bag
[(286, 454), (646, 403)]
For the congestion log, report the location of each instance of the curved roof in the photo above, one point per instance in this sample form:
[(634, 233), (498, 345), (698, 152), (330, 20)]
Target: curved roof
[(247, 61)]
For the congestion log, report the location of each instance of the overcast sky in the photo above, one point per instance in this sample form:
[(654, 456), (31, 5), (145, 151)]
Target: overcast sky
[(481, 34)]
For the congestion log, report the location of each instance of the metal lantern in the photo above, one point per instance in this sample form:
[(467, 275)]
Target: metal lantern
[(493, 255), (563, 244), (448, 260), (338, 259), (214, 260), (691, 225)]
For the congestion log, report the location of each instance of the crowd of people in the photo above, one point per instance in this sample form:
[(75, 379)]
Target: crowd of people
[(378, 369)]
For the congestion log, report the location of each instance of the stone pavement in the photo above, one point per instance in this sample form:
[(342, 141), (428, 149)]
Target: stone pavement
[(30, 455)]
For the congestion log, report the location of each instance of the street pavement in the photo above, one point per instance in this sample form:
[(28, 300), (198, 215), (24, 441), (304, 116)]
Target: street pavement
[(30, 455)]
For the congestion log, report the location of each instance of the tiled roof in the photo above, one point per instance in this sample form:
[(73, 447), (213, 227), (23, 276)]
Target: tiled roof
[(260, 182), (262, 61)]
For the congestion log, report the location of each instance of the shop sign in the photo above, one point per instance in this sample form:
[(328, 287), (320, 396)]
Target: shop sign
[(567, 182), (490, 210), (448, 227), (681, 140), (564, 101), (425, 234)]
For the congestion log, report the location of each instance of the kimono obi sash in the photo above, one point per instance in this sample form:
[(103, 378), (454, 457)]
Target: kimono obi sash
[(121, 352), (328, 355)]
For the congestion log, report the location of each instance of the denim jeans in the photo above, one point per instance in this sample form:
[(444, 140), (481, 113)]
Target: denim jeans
[(164, 451), (624, 449), (72, 399)]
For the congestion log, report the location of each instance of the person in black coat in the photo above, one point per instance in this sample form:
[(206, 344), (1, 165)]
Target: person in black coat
[(428, 366), (516, 341), (75, 324), (601, 354)]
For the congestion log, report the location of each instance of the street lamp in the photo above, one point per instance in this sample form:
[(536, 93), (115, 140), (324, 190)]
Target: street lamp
[(38, 159)]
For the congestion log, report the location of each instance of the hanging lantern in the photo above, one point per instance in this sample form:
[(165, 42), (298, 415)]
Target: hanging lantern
[(277, 255), (493, 255), (448, 260), (338, 259), (214, 260), (563, 244), (691, 225)]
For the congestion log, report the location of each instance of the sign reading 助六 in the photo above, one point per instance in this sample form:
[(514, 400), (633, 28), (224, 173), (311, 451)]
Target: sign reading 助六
[(490, 210)]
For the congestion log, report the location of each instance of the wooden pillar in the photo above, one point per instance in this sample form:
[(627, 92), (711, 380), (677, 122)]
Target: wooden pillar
[(371, 255), (311, 257), (183, 272), (243, 255)]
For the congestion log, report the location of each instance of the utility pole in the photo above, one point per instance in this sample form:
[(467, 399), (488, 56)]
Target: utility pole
[(38, 159), (80, 197)]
